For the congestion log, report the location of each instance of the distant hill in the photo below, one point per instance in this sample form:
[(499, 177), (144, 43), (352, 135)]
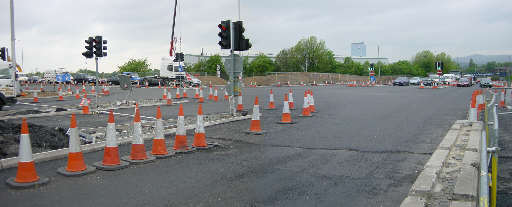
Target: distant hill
[(482, 59)]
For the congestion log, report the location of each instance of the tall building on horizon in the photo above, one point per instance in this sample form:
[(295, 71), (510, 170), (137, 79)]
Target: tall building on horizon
[(358, 49)]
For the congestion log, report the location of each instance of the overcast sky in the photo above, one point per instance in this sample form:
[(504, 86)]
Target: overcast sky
[(51, 33)]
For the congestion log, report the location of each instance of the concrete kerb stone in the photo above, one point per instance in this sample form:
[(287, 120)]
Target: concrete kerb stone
[(413, 201), (437, 160), (471, 159), (449, 139), (41, 114), (61, 153), (424, 184), (474, 140), (462, 204), (466, 186)]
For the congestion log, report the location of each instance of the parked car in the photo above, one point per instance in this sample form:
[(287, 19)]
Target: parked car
[(33, 79), (415, 81), (401, 81), (114, 80), (427, 82), (464, 82), (80, 78), (485, 83), (151, 80)]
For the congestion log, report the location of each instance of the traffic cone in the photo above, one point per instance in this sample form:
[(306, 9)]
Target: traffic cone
[(255, 127), (421, 84), (215, 97), (41, 89), (201, 97), (169, 100), (164, 95), (85, 107), (286, 117), (305, 106), (36, 98), (147, 84), (93, 89), (180, 141), (196, 95), (312, 107), (292, 104), (77, 94), (502, 99), (159, 149), (83, 88), (178, 96), (473, 111), (185, 95), (26, 175), (111, 159), (240, 106), (271, 104), (159, 86), (226, 96), (138, 153), (60, 95), (69, 88), (199, 134), (210, 94), (76, 165)]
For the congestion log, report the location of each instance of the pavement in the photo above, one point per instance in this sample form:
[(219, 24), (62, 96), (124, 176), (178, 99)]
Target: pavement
[(364, 147)]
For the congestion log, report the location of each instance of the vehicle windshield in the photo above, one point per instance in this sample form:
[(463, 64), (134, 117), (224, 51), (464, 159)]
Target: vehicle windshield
[(5, 73)]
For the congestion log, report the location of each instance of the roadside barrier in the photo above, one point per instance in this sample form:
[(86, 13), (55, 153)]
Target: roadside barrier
[(111, 160), (159, 149), (76, 165), (26, 175)]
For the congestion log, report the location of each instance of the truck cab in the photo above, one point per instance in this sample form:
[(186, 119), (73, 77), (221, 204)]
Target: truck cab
[(171, 71), (6, 85)]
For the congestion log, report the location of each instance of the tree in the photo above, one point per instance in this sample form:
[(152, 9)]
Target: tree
[(425, 61), (309, 52), (448, 63), (260, 65), (209, 67), (472, 66), (140, 66)]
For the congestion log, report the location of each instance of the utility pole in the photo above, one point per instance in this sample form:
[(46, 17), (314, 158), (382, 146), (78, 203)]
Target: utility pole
[(13, 50)]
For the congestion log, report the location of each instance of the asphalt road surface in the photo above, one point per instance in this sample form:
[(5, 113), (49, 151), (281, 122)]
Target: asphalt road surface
[(365, 147)]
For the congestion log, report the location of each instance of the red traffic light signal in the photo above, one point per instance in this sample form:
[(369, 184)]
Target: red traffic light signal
[(225, 34)]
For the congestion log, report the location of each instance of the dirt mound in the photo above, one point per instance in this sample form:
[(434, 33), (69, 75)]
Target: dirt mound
[(301, 77), (45, 139), (214, 80)]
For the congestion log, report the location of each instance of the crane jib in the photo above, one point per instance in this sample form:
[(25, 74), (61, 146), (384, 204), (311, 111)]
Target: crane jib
[(173, 24)]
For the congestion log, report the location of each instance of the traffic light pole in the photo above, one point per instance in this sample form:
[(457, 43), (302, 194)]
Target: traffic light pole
[(234, 80), (13, 50), (96, 84)]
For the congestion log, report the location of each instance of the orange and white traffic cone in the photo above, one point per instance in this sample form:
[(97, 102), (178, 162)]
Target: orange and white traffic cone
[(83, 88), (240, 106), (41, 89), (502, 98), (111, 159), (201, 97), (164, 95), (35, 97), (196, 95), (185, 95), (159, 149), (210, 94), (199, 134), (69, 88), (169, 100), (226, 96), (85, 106), (271, 104), (305, 106), (178, 96), (255, 127), (215, 97), (286, 117), (312, 107), (60, 95), (26, 175), (77, 94), (290, 100), (93, 89), (421, 85), (159, 86), (76, 165), (180, 141), (138, 153)]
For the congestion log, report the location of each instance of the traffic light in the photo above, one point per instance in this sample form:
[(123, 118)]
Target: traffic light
[(225, 34), (89, 53), (3, 53), (98, 41), (240, 42), (372, 66), (179, 57)]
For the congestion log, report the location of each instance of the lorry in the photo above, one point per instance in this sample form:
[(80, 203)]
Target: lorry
[(6, 85), (173, 72)]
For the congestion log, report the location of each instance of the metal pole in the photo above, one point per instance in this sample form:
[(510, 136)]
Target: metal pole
[(484, 183), (234, 80), (238, 10), (96, 84), (494, 158), (13, 49)]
